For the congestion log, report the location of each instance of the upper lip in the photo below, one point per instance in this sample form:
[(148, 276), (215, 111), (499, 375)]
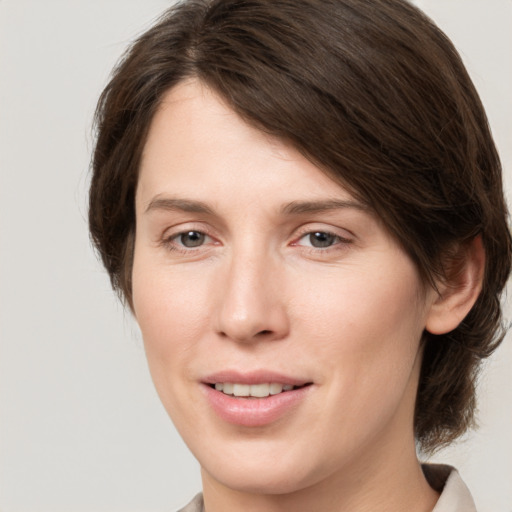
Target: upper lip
[(254, 377)]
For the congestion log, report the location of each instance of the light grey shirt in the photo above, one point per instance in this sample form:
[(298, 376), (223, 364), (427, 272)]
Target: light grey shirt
[(455, 496)]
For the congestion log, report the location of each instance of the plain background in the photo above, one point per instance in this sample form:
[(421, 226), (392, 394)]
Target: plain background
[(81, 427)]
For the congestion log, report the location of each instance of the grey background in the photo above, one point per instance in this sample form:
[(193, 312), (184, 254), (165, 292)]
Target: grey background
[(81, 427)]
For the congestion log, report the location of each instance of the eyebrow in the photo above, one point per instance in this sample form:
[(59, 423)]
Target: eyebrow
[(298, 207), (184, 205), (293, 208)]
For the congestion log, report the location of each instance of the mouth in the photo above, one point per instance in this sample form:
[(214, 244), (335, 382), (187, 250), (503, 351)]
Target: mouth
[(255, 399), (260, 390)]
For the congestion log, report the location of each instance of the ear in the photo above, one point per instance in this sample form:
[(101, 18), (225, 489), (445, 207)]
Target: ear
[(459, 291)]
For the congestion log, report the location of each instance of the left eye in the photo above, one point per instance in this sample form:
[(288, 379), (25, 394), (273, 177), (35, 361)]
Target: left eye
[(190, 239), (319, 239)]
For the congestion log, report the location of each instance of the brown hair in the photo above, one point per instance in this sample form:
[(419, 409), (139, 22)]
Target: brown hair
[(373, 93)]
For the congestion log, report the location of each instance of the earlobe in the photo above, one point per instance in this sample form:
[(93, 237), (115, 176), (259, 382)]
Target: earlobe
[(459, 291)]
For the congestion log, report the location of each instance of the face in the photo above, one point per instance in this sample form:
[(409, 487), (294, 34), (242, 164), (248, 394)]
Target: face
[(281, 322)]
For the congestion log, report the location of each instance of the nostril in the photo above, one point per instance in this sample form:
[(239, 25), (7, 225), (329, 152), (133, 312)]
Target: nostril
[(262, 333)]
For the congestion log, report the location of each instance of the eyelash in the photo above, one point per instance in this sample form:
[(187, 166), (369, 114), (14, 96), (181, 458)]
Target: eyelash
[(170, 242), (339, 241)]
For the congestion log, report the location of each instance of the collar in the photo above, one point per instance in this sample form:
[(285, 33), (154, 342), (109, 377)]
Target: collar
[(455, 496)]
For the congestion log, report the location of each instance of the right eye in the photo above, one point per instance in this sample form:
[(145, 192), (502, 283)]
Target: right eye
[(190, 239)]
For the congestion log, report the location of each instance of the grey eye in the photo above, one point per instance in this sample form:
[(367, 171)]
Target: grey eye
[(321, 239), (191, 238)]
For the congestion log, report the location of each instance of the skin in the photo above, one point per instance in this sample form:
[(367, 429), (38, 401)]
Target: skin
[(254, 294)]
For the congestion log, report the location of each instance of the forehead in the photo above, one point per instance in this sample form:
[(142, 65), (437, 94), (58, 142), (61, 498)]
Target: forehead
[(198, 145)]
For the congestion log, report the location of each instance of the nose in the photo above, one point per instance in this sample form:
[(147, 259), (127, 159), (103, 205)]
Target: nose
[(251, 305)]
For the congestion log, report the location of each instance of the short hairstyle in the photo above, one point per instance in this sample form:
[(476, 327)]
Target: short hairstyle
[(373, 93)]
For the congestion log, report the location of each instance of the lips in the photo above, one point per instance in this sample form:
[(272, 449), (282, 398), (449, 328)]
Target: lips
[(255, 398)]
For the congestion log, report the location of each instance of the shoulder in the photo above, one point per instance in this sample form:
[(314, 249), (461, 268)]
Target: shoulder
[(455, 496)]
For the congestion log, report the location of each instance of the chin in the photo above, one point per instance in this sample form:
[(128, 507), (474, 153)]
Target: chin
[(264, 470), (259, 480)]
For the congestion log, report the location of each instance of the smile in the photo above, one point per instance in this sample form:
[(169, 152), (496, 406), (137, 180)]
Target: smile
[(262, 390), (255, 399)]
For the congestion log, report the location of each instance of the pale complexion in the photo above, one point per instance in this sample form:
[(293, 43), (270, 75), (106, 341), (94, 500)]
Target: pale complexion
[(250, 260)]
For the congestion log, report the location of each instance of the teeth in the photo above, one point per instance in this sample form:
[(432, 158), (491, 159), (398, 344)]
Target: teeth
[(275, 388), (260, 390), (255, 390), (241, 390)]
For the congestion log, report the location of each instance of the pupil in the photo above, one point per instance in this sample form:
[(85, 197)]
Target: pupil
[(192, 239), (320, 239)]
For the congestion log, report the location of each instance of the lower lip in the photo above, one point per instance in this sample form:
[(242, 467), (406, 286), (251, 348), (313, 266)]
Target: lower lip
[(254, 412)]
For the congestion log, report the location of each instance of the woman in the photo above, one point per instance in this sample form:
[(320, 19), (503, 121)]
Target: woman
[(302, 205)]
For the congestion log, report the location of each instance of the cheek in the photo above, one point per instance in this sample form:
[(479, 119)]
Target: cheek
[(170, 308), (367, 330), (361, 308)]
